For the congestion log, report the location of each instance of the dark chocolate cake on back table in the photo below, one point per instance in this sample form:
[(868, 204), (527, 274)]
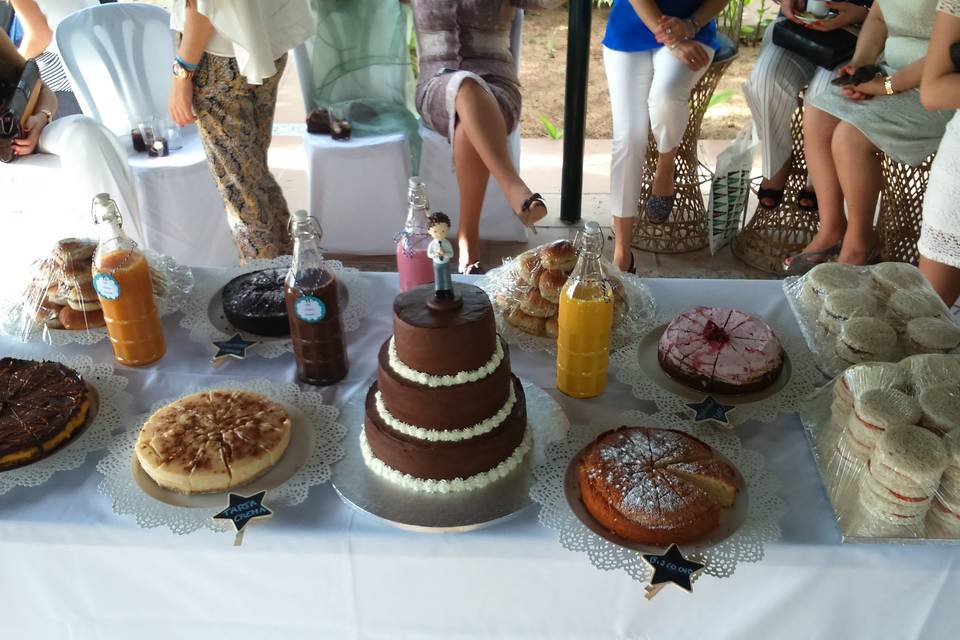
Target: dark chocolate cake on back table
[(446, 414)]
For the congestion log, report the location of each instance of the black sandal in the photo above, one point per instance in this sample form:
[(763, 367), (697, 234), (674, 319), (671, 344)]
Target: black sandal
[(773, 195), (809, 196), (535, 198), (633, 265), (473, 269)]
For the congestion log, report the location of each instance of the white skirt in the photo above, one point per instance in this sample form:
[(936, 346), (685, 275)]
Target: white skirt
[(940, 233)]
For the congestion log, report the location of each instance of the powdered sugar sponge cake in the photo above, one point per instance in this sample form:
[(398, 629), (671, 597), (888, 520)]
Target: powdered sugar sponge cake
[(445, 414), (721, 351)]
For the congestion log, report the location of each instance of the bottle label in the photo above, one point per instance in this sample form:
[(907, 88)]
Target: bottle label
[(310, 309), (106, 286)]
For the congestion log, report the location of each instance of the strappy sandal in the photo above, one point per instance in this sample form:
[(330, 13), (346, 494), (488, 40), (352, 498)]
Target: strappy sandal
[(810, 196), (799, 264), (633, 265), (473, 269), (535, 198), (659, 208), (775, 196)]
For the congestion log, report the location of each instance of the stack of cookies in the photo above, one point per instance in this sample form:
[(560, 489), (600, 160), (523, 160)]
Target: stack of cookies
[(532, 303), (61, 293), (875, 412), (945, 511)]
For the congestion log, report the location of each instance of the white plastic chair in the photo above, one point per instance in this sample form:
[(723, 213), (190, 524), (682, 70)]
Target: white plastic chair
[(118, 58), (56, 10), (357, 181), (497, 220)]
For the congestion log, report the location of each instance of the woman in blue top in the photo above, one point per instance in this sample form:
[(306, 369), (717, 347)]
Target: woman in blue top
[(654, 52)]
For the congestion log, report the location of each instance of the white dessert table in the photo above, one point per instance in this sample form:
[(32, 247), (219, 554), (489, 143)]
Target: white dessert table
[(71, 568)]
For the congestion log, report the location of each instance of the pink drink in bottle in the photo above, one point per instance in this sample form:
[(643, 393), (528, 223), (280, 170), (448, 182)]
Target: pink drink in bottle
[(413, 264)]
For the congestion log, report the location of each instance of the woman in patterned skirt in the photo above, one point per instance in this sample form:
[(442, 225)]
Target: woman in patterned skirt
[(940, 89), (228, 66), (469, 92)]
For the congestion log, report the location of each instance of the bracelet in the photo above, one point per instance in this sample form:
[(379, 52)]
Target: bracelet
[(186, 65), (888, 85), (695, 24)]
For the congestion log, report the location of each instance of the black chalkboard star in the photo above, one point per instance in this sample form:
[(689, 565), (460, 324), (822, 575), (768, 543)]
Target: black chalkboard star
[(243, 509), (709, 409), (235, 347), (671, 567)]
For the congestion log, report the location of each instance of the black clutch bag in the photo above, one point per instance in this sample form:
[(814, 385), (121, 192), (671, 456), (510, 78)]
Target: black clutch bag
[(827, 49), (17, 107)]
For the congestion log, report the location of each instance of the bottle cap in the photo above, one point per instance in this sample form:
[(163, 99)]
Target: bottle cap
[(416, 182), (300, 215), (591, 227)]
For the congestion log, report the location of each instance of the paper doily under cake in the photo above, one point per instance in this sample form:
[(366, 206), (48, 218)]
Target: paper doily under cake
[(746, 544), (196, 311), (114, 410), (325, 448)]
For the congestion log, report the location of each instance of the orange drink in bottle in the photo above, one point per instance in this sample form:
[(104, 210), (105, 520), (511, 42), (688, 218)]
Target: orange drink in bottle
[(121, 278), (585, 321)]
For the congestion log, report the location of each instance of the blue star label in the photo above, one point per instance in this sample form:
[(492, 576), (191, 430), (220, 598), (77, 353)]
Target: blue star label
[(310, 309), (106, 286)]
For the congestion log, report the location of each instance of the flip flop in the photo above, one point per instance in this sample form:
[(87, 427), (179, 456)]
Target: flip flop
[(774, 195), (659, 208), (799, 264), (473, 269)]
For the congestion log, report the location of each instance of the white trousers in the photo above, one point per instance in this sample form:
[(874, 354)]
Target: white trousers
[(92, 162), (649, 90), (771, 92)]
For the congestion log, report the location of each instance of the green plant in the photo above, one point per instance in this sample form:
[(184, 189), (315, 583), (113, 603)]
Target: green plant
[(552, 130), (552, 45), (603, 3), (719, 97)]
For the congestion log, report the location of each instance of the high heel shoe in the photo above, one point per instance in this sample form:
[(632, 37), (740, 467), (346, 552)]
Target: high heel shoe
[(525, 208)]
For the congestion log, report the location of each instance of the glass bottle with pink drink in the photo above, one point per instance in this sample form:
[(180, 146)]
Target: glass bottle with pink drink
[(413, 264)]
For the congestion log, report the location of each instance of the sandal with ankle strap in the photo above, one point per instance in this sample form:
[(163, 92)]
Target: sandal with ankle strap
[(774, 196), (525, 208)]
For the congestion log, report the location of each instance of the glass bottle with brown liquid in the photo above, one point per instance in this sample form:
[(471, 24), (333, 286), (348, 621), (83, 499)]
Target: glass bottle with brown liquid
[(313, 308)]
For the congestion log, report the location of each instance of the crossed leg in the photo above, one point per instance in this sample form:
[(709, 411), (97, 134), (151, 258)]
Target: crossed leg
[(860, 176)]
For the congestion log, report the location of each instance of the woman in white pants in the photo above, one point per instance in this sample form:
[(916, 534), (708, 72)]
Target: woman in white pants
[(653, 53), (771, 91), (91, 159)]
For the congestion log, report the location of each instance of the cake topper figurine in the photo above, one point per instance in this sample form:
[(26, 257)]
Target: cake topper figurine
[(441, 252)]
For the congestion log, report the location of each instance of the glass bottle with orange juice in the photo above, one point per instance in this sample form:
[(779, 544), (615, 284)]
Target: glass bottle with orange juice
[(585, 321), (121, 278)]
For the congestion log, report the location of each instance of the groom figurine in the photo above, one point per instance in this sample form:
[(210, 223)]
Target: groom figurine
[(441, 252)]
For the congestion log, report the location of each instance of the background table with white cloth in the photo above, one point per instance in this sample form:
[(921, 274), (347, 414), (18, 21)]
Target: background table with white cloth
[(71, 568)]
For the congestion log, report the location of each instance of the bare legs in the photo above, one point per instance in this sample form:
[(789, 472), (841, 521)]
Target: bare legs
[(944, 279), (663, 177), (622, 253), (858, 168), (480, 150), (818, 130)]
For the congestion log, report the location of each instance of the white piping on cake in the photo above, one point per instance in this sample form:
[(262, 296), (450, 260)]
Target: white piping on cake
[(449, 435), (429, 380), (422, 485)]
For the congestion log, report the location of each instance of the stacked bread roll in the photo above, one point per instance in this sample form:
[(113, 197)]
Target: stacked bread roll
[(877, 317), (532, 303), (61, 294), (900, 440)]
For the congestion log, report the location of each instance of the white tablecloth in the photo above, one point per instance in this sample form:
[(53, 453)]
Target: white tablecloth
[(70, 568)]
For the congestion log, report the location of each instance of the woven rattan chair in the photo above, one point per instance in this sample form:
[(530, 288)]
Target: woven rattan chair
[(686, 229), (774, 234), (901, 209)]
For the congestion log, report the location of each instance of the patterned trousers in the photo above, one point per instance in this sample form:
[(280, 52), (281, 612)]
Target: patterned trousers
[(235, 120)]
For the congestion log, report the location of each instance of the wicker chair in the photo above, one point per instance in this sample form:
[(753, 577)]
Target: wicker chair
[(774, 234), (686, 229), (901, 209)]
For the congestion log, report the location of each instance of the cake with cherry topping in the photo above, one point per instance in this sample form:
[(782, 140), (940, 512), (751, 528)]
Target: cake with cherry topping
[(720, 351), (655, 486)]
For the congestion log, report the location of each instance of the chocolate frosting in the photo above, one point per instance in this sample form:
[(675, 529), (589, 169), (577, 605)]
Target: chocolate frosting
[(254, 302), (457, 406), (445, 460), (37, 401), (447, 342)]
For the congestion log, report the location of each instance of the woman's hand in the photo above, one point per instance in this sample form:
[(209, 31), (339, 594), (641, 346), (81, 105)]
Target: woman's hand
[(671, 31), (866, 90), (847, 14), (790, 9), (692, 55), (28, 144), (181, 101)]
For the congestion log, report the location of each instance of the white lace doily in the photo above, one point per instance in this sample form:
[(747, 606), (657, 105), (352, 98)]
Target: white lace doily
[(802, 381), (121, 487), (196, 311), (746, 544), (18, 322), (114, 410), (639, 318)]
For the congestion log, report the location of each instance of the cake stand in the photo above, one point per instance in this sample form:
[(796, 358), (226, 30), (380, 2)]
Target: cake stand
[(363, 490)]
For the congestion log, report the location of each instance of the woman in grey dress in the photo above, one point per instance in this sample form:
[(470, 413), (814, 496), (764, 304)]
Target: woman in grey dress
[(469, 92), (846, 128)]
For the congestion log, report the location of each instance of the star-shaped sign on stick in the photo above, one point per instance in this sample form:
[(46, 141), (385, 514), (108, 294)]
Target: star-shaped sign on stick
[(671, 567), (235, 347), (243, 509), (709, 409)]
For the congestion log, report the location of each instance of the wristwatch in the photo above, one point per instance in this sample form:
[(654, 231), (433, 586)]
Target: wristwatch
[(888, 85), (179, 71), (47, 113)]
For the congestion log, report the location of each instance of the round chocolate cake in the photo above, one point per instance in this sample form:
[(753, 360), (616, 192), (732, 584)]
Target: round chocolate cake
[(254, 302), (42, 404), (446, 414)]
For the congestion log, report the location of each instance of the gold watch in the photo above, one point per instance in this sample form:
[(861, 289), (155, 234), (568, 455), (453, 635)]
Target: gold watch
[(181, 72), (47, 113), (888, 85)]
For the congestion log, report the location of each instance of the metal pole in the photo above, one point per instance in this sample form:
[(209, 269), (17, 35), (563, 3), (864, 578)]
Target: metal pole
[(575, 110)]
